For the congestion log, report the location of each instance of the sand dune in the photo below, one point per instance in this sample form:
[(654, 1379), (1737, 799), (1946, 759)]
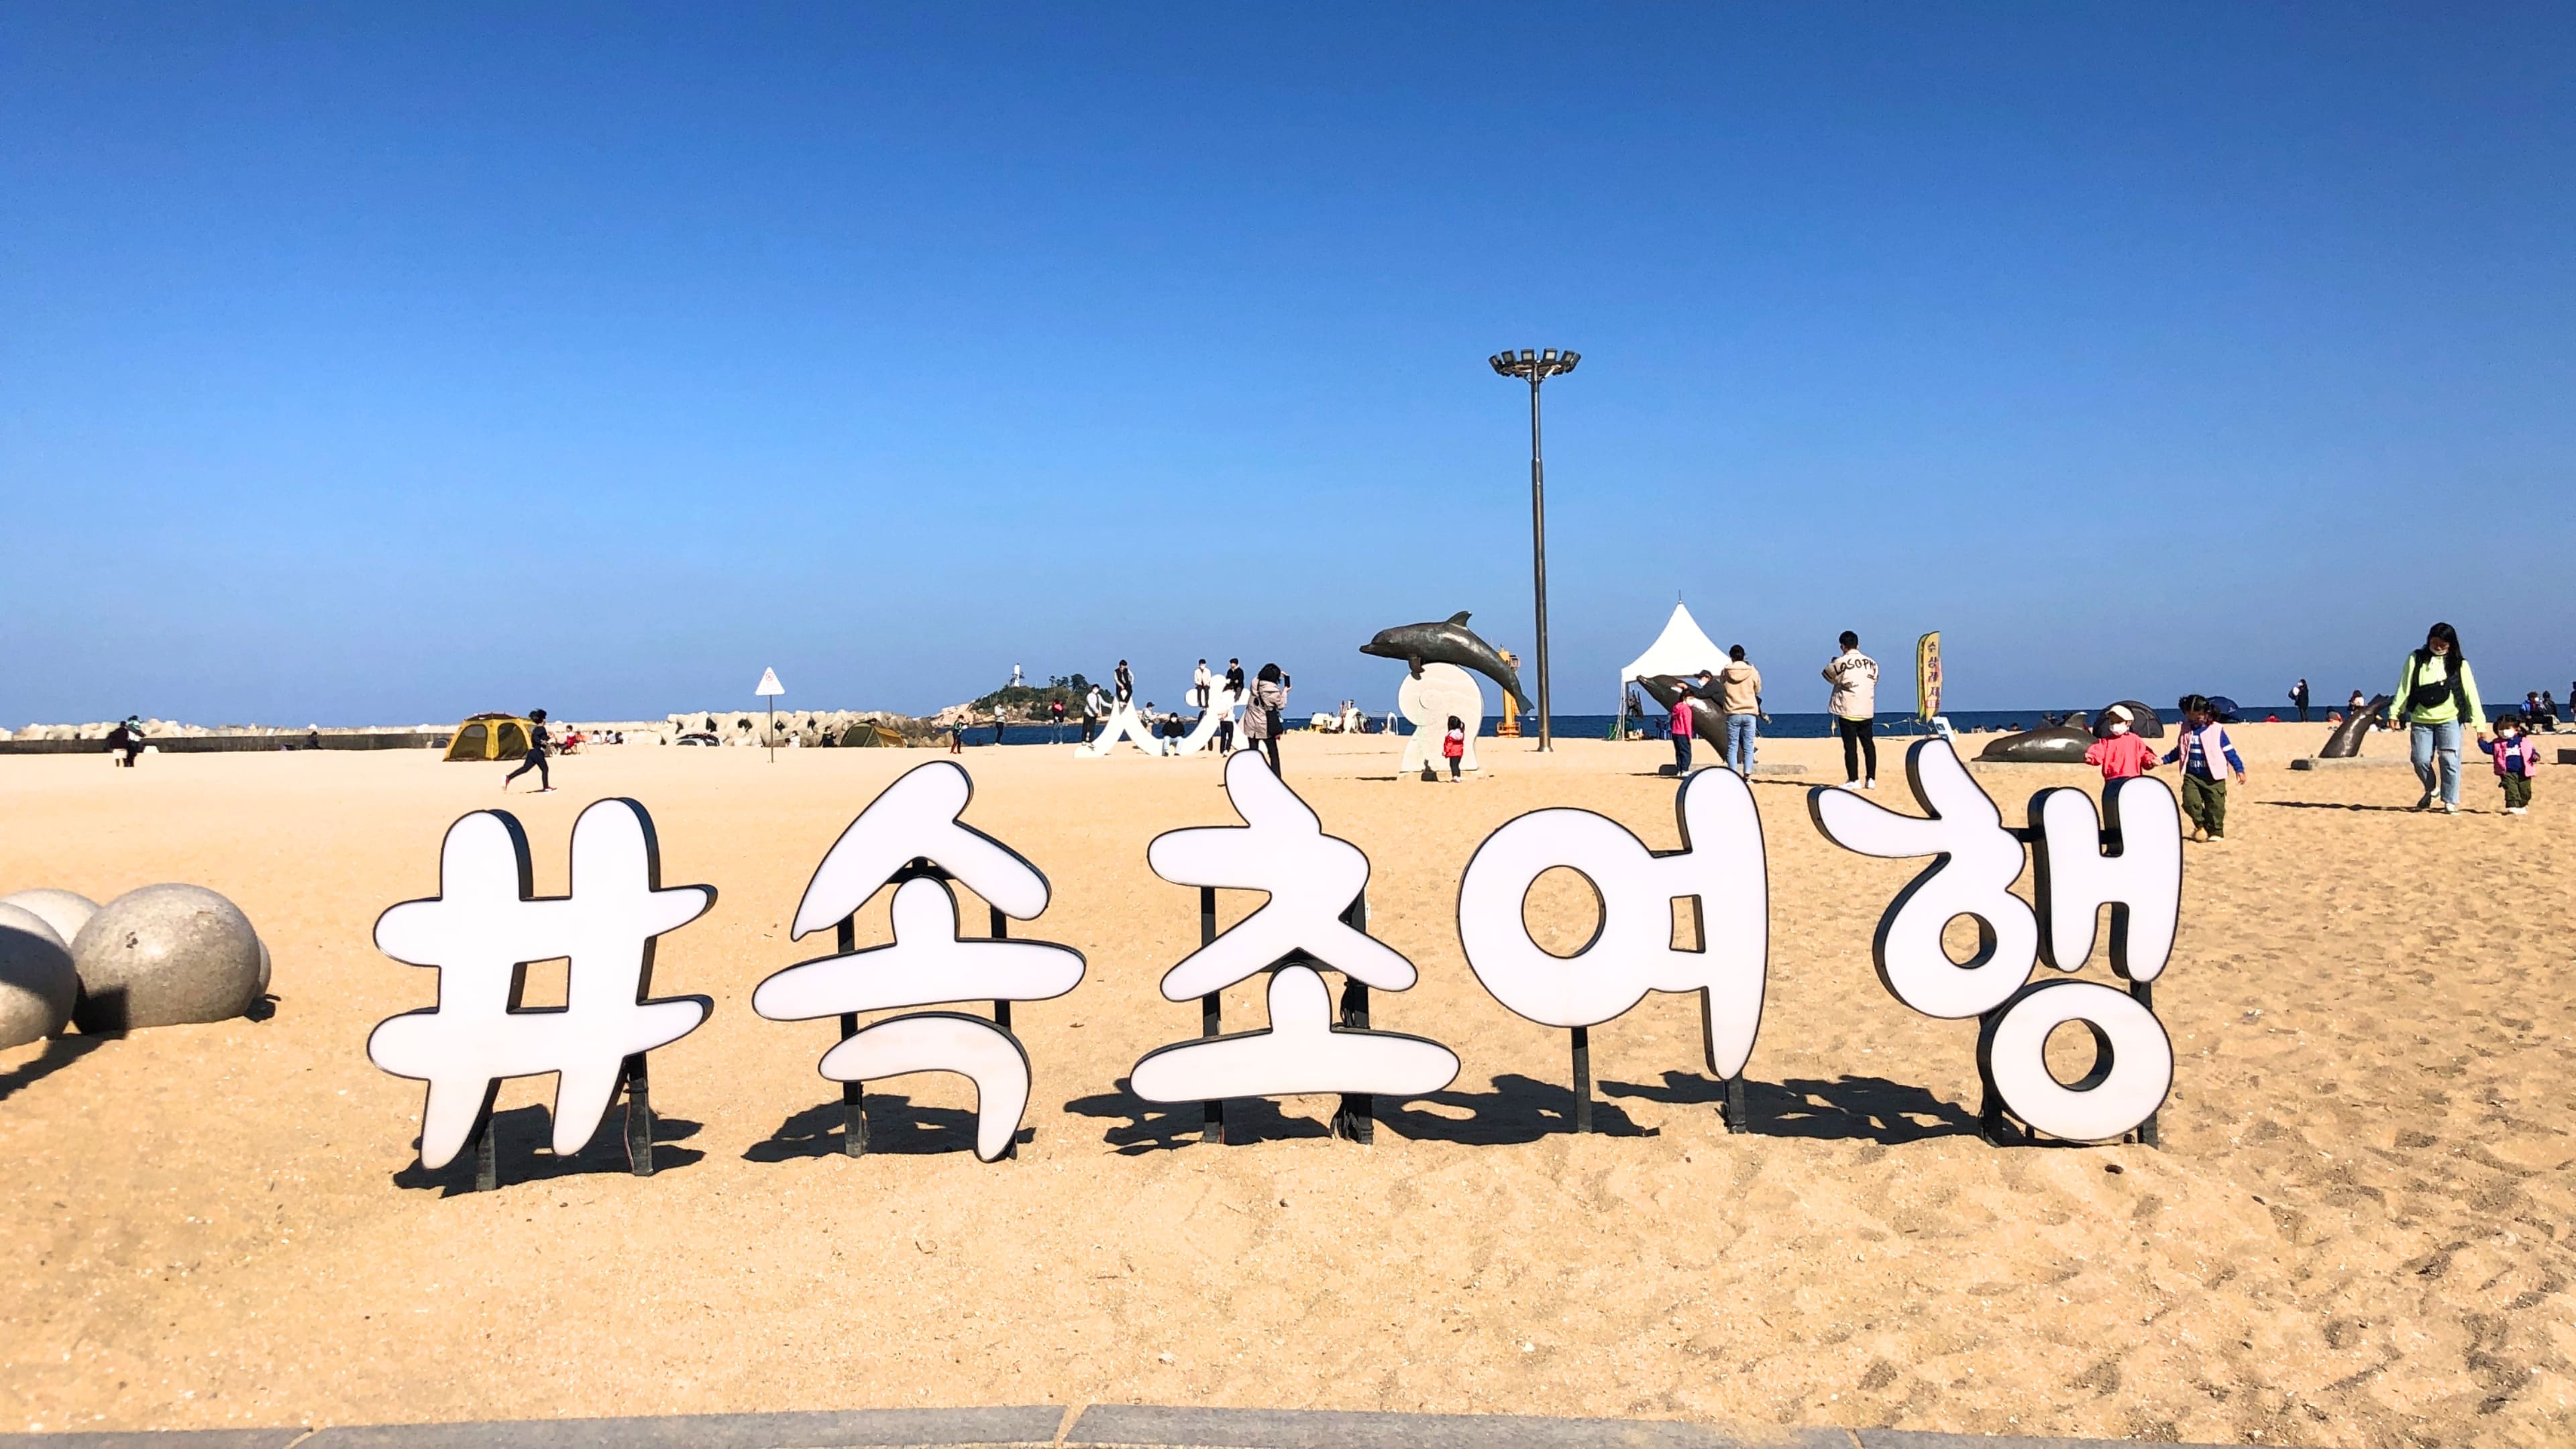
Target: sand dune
[(2357, 1231)]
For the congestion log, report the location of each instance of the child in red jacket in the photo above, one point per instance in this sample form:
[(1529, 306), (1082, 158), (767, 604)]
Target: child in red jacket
[(1453, 745), (2120, 754)]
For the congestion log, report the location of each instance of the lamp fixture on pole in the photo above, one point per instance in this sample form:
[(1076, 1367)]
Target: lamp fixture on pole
[(1535, 368)]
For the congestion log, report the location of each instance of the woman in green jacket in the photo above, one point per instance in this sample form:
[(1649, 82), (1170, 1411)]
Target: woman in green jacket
[(2436, 696)]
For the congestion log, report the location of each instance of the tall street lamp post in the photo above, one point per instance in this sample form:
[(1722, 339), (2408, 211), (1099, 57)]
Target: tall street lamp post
[(1536, 368)]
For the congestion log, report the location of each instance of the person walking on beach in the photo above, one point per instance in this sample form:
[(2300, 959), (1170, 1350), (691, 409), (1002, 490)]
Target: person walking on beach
[(1453, 746), (1682, 730), (1854, 706), (1263, 719), (1202, 681), (2515, 756), (1739, 696), (2437, 694), (539, 740), (2120, 755), (1125, 682), (2203, 751), (1092, 713), (1055, 715), (2299, 697)]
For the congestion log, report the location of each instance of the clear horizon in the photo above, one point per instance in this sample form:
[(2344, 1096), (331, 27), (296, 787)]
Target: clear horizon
[(371, 366)]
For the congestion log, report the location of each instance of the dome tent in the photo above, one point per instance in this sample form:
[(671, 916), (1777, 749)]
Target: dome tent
[(490, 737)]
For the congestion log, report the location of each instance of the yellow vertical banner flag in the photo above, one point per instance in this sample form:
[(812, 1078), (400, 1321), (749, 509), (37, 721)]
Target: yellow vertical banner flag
[(1927, 675)]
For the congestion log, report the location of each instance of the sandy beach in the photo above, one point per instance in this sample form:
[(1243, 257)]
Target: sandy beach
[(2357, 1230)]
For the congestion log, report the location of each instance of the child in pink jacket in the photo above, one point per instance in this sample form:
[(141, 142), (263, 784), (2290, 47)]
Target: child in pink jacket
[(2515, 758)]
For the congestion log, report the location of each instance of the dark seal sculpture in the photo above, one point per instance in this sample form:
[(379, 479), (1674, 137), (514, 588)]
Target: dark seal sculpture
[(2056, 745), (2345, 742), (1707, 721), (1449, 641)]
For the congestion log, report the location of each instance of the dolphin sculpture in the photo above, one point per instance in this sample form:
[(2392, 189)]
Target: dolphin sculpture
[(1449, 641), (2345, 742), (1707, 721)]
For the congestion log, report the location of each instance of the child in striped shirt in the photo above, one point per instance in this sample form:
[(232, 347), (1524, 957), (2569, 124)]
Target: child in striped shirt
[(2203, 745)]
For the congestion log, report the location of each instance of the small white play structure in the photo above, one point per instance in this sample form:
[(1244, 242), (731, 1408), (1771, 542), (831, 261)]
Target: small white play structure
[(1442, 691), (1124, 723)]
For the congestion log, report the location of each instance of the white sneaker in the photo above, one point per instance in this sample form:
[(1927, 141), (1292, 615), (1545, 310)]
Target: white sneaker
[(2450, 809), (2515, 810), (1869, 784)]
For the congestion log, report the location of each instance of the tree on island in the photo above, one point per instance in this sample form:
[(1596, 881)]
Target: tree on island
[(1029, 701)]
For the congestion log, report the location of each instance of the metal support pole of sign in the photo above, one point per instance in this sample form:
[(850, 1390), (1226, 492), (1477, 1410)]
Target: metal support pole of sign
[(639, 1118), (2145, 992), (1211, 1016), (1582, 1079), (1357, 1117), (1738, 1115), (771, 733), (1001, 932), (854, 1095), (1990, 1108), (1002, 1009), (487, 1156)]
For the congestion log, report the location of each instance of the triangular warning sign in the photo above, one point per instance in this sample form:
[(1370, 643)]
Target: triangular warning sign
[(769, 683)]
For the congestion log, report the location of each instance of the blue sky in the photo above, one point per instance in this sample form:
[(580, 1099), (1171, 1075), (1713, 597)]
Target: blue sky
[(367, 363)]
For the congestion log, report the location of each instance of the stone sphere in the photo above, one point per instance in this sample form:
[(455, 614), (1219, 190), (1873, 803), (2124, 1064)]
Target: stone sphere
[(65, 911), (162, 956), (37, 983)]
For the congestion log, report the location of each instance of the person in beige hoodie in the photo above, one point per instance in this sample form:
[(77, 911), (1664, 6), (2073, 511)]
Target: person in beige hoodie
[(1854, 706), (1739, 697)]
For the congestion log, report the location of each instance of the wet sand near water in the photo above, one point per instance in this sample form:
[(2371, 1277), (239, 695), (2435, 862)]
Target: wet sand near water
[(2357, 1230)]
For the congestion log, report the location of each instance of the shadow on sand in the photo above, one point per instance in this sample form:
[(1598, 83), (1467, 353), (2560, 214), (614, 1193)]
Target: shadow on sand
[(521, 1138)]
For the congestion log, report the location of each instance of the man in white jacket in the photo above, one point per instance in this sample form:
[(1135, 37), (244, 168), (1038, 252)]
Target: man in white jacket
[(1854, 706)]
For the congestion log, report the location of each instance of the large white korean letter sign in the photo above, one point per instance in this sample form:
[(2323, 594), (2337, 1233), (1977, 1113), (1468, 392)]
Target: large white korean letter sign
[(2140, 879), (1977, 861), (912, 834), (1720, 867), (483, 929), (1312, 878)]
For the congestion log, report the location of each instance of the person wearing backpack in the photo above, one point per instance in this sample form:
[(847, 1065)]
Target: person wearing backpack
[(2437, 695)]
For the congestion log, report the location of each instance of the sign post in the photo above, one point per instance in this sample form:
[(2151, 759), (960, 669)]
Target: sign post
[(1927, 676), (769, 689)]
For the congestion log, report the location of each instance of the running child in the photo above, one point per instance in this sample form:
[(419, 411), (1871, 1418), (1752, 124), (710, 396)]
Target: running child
[(2515, 756)]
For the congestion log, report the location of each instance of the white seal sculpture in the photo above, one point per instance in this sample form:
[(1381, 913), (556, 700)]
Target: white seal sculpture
[(165, 955), (37, 983)]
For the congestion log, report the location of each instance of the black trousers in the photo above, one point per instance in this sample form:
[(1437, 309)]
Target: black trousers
[(1860, 739), (1270, 747), (536, 760)]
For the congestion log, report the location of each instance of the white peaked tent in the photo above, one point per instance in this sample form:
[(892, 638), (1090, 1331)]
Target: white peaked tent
[(1683, 648)]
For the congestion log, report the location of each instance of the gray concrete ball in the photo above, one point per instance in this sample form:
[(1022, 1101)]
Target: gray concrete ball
[(162, 956), (65, 911), (37, 983)]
